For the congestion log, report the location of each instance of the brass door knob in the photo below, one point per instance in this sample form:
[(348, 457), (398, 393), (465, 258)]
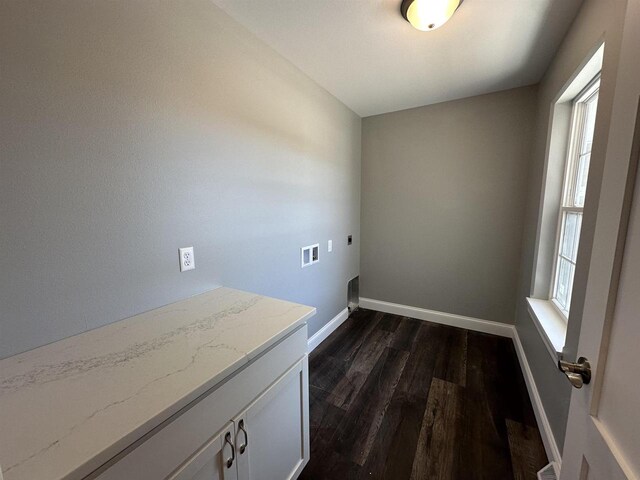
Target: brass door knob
[(578, 373)]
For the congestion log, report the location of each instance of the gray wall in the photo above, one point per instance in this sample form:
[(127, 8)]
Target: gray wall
[(597, 20), (443, 194), (130, 129)]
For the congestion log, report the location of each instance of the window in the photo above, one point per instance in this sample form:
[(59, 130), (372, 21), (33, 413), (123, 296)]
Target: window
[(564, 184), (583, 119)]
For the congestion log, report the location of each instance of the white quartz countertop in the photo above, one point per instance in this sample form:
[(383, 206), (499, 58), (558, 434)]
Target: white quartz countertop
[(68, 407)]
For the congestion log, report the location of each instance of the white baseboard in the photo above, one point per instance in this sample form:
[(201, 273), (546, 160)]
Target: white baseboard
[(318, 337), (470, 323), (548, 439)]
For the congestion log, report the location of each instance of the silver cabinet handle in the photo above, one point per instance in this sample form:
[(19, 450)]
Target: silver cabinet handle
[(227, 439), (244, 446)]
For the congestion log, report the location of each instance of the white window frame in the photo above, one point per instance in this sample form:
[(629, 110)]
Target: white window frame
[(551, 323), (567, 204)]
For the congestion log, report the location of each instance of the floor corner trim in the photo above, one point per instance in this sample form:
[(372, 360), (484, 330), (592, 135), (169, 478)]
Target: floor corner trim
[(548, 439), (318, 337), (470, 323)]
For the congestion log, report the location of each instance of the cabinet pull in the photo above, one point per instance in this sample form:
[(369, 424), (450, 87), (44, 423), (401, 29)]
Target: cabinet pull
[(244, 446), (227, 439)]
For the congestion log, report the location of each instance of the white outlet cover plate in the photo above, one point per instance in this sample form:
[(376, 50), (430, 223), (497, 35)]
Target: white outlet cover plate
[(187, 259), (330, 246)]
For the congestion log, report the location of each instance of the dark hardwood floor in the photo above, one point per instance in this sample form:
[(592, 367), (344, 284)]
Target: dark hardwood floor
[(397, 398)]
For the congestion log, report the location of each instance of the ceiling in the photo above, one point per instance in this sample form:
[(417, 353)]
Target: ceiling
[(369, 57)]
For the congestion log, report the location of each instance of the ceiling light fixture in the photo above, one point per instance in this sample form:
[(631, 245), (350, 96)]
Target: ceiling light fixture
[(428, 15)]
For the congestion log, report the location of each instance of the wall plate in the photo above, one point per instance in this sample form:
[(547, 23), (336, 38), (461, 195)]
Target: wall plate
[(187, 260)]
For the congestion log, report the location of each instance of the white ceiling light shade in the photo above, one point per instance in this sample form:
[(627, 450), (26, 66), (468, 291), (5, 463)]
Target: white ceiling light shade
[(428, 15)]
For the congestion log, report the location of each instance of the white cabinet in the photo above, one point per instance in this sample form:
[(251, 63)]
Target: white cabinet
[(215, 461), (255, 426), (271, 438), (267, 441)]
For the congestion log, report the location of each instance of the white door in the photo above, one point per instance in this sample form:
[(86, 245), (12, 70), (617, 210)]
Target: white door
[(272, 434), (603, 433), (217, 460)]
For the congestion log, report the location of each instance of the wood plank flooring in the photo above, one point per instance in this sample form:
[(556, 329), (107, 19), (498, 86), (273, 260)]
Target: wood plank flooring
[(397, 398)]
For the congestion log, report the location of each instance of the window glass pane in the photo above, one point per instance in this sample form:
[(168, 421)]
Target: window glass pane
[(589, 124), (574, 193), (580, 189), (570, 234), (563, 283), (576, 239), (572, 271)]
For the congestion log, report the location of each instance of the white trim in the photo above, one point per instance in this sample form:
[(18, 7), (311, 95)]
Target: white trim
[(556, 148), (582, 76), (548, 439), (318, 337), (551, 326), (470, 323), (579, 111)]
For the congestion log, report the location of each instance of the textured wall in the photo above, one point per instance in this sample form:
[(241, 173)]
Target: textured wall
[(443, 194), (129, 129)]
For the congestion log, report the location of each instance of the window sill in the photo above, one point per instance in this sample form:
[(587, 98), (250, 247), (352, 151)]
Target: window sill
[(551, 325)]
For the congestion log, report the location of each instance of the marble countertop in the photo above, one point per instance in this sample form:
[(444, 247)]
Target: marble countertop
[(68, 407)]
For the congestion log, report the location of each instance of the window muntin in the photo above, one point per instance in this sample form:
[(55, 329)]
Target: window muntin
[(573, 196)]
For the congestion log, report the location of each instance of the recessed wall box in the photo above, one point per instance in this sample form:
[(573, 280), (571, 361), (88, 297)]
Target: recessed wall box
[(309, 255)]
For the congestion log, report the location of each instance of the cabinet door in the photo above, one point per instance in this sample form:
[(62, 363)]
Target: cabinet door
[(217, 460), (272, 434)]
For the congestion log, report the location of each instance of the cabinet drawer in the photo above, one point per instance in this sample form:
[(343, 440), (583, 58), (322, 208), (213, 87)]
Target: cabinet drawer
[(166, 447)]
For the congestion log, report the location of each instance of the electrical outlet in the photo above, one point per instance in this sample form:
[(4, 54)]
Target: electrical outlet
[(330, 246), (187, 260)]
